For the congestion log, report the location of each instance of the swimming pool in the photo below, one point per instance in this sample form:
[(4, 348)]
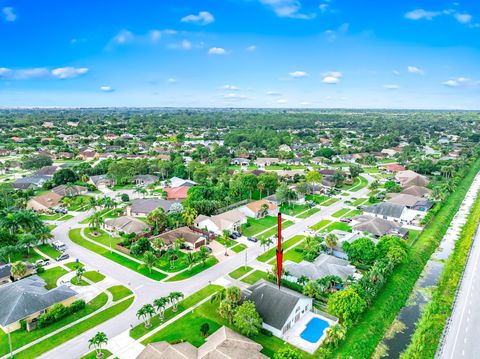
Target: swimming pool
[(314, 330)]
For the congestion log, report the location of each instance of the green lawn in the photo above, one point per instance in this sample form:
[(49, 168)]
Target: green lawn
[(50, 217), (200, 267), (24, 256), (340, 226), (255, 226), (102, 238), (329, 202), (359, 201), (348, 187), (265, 257), (412, 235), (119, 292), (79, 202), (293, 209), (66, 335), (240, 271), (164, 263), (353, 213), (76, 237), (94, 276), (22, 337), (308, 213), (140, 330), (187, 328), (93, 354), (320, 224), (48, 250), (50, 276), (239, 248), (273, 231), (363, 183), (74, 265), (255, 277), (316, 198), (293, 255), (81, 283), (340, 213)]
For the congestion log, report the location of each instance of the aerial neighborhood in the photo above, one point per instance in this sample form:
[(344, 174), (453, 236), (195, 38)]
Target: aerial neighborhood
[(159, 240)]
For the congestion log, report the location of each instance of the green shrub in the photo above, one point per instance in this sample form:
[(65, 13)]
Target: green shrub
[(59, 311)]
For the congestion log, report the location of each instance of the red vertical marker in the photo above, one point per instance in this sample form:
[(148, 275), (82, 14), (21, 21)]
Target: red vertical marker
[(279, 251)]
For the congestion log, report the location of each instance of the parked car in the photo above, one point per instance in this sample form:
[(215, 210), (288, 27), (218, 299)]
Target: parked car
[(346, 220), (252, 239), (233, 235), (62, 257), (238, 234), (61, 210), (59, 246), (42, 262)]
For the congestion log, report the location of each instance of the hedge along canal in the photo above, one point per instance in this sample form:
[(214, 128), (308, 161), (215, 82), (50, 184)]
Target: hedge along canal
[(400, 334)]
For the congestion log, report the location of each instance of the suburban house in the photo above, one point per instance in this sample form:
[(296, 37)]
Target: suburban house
[(227, 221), (5, 274), (280, 309), (324, 265), (392, 151), (242, 162), (193, 237), (88, 155), (344, 237), (145, 180), (101, 181), (70, 191), (393, 167), (377, 227), (390, 212), (143, 206), (410, 178), (26, 299), (263, 162), (176, 193), (178, 182), (126, 224), (31, 182), (259, 209), (44, 202), (48, 171), (224, 343), (411, 201), (418, 191)]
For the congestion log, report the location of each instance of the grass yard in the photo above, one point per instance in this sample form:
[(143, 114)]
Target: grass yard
[(359, 201), (293, 255), (340, 226), (412, 235), (353, 213), (77, 238), (200, 267), (119, 292), (74, 265), (254, 226), (273, 231), (50, 276), (164, 263), (94, 276), (363, 183), (22, 337), (81, 283), (102, 238), (68, 334), (293, 209), (79, 202), (239, 248), (140, 330), (320, 224), (316, 198), (255, 277), (308, 213), (51, 217), (25, 256), (240, 271), (187, 328), (49, 251), (329, 202), (265, 257), (341, 212), (93, 354)]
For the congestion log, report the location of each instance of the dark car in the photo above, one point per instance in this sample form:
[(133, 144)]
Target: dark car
[(233, 235), (62, 257), (252, 239), (346, 220), (238, 234)]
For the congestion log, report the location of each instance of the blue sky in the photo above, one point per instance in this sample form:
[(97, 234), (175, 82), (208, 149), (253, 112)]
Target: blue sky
[(240, 53)]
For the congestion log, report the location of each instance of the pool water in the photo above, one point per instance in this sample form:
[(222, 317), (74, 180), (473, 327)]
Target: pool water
[(314, 330)]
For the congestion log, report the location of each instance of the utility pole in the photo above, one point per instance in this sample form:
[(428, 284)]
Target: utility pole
[(10, 344)]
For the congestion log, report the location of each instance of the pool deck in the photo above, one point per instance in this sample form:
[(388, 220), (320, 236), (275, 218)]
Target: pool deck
[(293, 337)]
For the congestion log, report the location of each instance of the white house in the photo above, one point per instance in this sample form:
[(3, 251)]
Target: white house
[(227, 221), (256, 209)]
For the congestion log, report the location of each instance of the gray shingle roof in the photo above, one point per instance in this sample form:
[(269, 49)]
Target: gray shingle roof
[(273, 305), (323, 266), (147, 205), (385, 209), (27, 296)]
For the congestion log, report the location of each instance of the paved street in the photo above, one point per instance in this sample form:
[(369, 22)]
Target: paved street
[(462, 338), (146, 290)]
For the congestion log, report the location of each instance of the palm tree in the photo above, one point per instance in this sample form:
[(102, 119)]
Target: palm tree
[(335, 334), (261, 188), (67, 201), (331, 241), (175, 297), (79, 273), (158, 243), (189, 214), (95, 222), (149, 261), (224, 239), (203, 254), (191, 259), (27, 241), (265, 242), (18, 270), (44, 234), (97, 341), (146, 312), (160, 304), (157, 219)]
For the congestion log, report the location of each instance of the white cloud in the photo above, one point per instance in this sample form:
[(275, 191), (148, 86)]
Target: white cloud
[(203, 18), (323, 7), (186, 45), (234, 96), (304, 103), (171, 80), (332, 77), (273, 93), (395, 72), (421, 14), (282, 101), (4, 72), (231, 88), (123, 37), (460, 82), (32, 73), (391, 87), (463, 18), (251, 48), (287, 8), (217, 51), (155, 35), (298, 74), (9, 14), (69, 72), (415, 70), (106, 89)]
